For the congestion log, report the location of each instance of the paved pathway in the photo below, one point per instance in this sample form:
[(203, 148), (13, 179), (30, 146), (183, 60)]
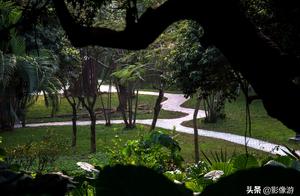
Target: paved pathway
[(173, 103)]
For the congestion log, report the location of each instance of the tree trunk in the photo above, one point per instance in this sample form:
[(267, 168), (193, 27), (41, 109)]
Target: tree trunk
[(6, 120), (90, 108), (93, 131), (23, 120), (122, 103), (136, 106), (157, 108), (109, 104), (74, 125), (196, 144), (103, 109), (129, 99), (122, 98)]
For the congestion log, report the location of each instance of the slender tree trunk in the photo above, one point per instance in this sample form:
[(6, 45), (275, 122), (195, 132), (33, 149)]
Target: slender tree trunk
[(23, 120), (109, 104), (22, 110), (103, 108), (157, 108), (129, 99), (74, 125), (93, 131), (90, 108), (122, 103), (122, 97), (136, 106), (196, 144), (74, 106)]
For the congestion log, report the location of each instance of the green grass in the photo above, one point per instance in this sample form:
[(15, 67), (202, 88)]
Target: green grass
[(40, 113), (105, 135), (263, 126)]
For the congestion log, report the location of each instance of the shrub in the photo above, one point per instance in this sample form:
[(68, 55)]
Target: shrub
[(39, 155), (156, 150)]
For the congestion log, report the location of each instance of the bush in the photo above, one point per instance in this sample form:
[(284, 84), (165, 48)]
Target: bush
[(37, 156), (156, 150)]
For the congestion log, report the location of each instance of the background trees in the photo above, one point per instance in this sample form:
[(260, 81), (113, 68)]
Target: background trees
[(202, 71)]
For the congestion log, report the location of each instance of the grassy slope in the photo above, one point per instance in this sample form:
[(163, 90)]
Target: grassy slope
[(39, 113), (104, 140), (263, 126)]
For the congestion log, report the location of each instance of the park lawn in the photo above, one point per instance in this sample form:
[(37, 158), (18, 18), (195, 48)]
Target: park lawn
[(105, 135), (40, 113), (263, 126)]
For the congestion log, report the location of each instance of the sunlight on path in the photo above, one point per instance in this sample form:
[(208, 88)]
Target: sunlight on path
[(173, 103)]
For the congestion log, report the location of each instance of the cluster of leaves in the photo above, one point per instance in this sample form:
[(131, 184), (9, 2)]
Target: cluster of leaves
[(278, 20), (201, 68), (196, 178), (10, 15), (129, 75), (37, 156), (157, 150)]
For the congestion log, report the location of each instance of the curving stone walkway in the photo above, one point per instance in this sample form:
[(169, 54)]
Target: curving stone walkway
[(173, 103)]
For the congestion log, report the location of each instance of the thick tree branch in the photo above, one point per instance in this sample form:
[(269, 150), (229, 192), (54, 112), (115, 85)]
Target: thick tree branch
[(151, 24)]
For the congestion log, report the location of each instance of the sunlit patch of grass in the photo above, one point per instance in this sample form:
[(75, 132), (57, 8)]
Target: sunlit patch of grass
[(263, 126)]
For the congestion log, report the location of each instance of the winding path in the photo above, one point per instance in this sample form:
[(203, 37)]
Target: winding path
[(173, 103)]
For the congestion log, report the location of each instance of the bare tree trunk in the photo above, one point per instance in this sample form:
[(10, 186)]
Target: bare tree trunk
[(157, 108), (122, 103), (74, 116), (122, 97), (21, 110), (93, 131), (196, 145), (109, 104), (129, 99), (90, 108), (74, 125), (136, 106), (103, 108)]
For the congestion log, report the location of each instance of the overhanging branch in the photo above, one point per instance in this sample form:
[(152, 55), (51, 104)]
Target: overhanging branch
[(138, 36)]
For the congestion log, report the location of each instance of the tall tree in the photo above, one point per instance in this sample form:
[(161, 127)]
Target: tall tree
[(89, 92), (68, 75), (129, 78)]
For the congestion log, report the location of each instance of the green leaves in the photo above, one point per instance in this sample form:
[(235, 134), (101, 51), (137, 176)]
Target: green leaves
[(131, 73), (244, 161), (17, 44), (157, 137), (156, 151), (10, 14)]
